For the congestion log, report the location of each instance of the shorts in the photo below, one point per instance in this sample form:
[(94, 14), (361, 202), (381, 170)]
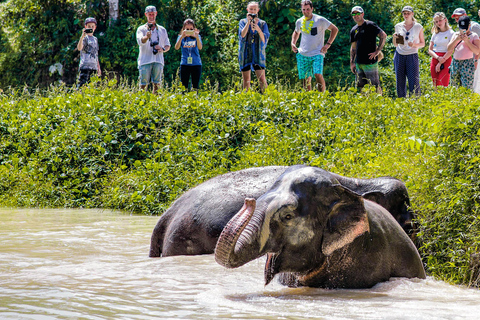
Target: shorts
[(84, 77), (367, 74), (309, 66), (151, 72), (255, 67)]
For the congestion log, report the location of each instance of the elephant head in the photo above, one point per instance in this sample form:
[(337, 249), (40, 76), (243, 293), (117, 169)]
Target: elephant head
[(305, 217)]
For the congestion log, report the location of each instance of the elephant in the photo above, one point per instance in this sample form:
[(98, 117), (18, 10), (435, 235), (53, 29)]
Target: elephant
[(192, 225), (317, 232)]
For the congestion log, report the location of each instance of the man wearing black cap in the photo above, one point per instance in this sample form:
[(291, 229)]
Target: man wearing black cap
[(88, 47), (466, 45), (364, 50), (152, 41)]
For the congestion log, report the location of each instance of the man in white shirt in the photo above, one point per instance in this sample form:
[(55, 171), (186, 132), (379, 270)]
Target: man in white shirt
[(312, 50), (153, 41)]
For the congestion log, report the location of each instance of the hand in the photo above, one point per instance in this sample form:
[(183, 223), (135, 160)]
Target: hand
[(324, 48), (437, 67), (160, 49), (149, 34), (441, 60), (352, 67), (463, 36), (197, 33), (294, 48), (99, 72), (373, 55), (411, 44)]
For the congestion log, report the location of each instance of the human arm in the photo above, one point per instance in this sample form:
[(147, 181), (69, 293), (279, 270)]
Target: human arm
[(80, 42), (244, 28), (257, 28), (179, 40), (333, 34), (293, 44), (99, 71), (353, 55), (383, 36), (199, 39), (473, 46), (454, 42)]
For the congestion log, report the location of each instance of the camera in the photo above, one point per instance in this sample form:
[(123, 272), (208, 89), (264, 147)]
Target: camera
[(89, 30), (252, 15), (153, 44)]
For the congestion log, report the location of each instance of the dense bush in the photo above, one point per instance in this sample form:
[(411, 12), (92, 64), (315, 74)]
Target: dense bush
[(36, 35), (111, 146)]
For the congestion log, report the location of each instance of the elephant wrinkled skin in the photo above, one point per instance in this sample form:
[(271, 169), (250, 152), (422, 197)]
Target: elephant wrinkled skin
[(192, 225), (317, 232)]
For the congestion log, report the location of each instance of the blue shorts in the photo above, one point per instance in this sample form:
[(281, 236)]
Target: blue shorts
[(309, 66), (151, 72)]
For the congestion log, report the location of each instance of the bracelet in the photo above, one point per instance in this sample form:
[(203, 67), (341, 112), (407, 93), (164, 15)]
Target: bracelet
[(329, 43)]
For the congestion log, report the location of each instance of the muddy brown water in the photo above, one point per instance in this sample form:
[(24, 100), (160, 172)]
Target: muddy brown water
[(94, 264)]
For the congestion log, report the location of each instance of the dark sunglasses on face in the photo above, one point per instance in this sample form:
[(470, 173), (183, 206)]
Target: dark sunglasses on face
[(356, 14)]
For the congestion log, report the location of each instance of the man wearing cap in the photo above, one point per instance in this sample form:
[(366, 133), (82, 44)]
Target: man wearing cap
[(364, 50), (312, 49), (466, 45), (153, 41), (460, 12), (88, 47)]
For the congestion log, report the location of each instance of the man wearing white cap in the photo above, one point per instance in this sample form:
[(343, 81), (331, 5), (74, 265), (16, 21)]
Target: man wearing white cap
[(152, 41), (364, 50)]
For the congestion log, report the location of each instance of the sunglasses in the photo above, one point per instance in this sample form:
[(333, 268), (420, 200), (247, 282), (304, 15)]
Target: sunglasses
[(189, 29), (356, 14), (408, 33)]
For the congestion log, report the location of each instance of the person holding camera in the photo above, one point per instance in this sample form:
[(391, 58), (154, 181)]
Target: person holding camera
[(253, 35), (312, 50), (88, 47), (153, 42), (190, 41), (466, 45), (408, 38), (438, 50)]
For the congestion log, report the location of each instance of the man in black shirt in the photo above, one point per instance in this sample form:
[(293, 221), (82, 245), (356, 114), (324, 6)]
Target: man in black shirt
[(364, 51)]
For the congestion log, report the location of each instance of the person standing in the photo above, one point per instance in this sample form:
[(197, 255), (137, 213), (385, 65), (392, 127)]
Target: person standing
[(474, 27), (312, 50), (466, 45), (153, 42), (408, 38), (88, 47), (253, 37), (364, 50), (190, 41), (438, 50)]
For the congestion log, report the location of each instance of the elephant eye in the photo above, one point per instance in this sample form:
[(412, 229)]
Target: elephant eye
[(288, 217)]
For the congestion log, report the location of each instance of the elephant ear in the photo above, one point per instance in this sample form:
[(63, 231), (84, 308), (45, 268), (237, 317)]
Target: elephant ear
[(347, 220), (376, 196)]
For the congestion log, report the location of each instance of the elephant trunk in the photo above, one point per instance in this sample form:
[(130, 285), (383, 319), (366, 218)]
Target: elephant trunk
[(237, 243)]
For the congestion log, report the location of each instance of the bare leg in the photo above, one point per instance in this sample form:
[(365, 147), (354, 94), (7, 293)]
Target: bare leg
[(246, 77), (262, 79), (307, 84), (320, 82)]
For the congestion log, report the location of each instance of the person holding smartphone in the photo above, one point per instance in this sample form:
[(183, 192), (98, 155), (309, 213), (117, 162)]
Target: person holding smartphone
[(408, 38), (253, 37), (466, 45), (190, 41), (88, 47), (438, 50)]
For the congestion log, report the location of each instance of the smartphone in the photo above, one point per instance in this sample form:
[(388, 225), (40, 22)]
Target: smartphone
[(88, 30), (190, 33)]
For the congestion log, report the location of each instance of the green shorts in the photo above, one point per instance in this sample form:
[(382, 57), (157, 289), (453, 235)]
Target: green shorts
[(309, 66), (367, 74)]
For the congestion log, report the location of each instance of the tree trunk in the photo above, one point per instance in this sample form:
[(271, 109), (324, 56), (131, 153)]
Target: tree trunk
[(114, 11)]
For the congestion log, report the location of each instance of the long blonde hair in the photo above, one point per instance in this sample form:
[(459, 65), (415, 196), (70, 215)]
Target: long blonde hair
[(442, 15)]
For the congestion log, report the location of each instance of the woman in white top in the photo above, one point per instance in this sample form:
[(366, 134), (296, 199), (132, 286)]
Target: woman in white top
[(438, 49), (408, 38)]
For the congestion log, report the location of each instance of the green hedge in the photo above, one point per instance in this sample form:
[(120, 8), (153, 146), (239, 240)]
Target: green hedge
[(111, 146)]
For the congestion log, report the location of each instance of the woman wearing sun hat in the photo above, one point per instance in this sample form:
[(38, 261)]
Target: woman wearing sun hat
[(408, 38)]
